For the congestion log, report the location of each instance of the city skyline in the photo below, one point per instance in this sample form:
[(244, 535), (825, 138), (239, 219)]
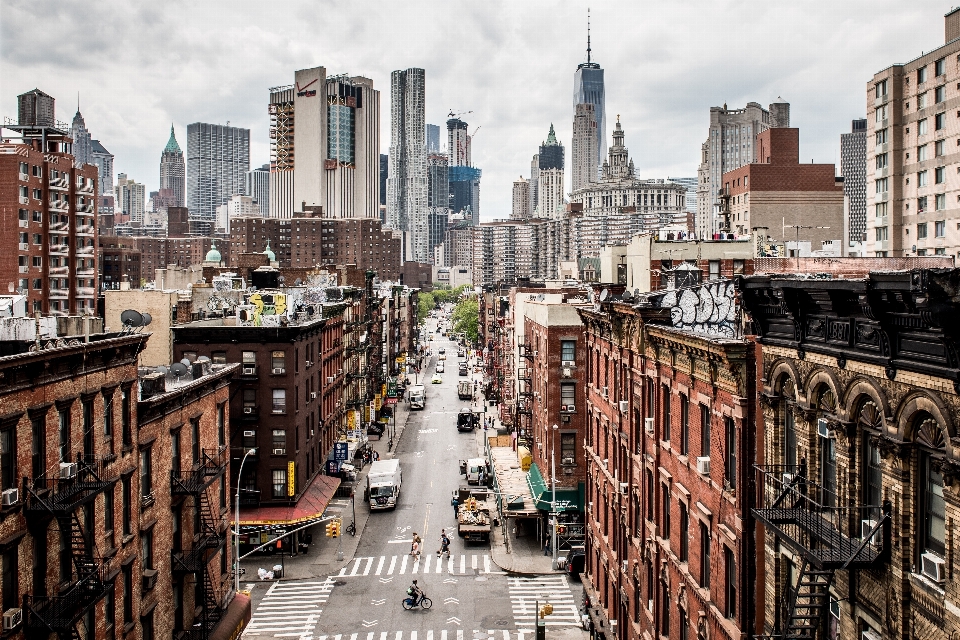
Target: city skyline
[(651, 79)]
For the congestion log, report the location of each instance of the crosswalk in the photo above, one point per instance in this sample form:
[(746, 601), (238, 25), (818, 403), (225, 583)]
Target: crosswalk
[(444, 634), (525, 593), (427, 563), (290, 609)]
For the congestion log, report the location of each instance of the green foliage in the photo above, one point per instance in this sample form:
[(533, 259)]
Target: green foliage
[(466, 316), (425, 304)]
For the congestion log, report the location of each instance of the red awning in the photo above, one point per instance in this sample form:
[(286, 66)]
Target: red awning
[(234, 620), (311, 506)]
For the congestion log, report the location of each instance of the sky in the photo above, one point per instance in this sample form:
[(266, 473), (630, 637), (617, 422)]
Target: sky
[(138, 66)]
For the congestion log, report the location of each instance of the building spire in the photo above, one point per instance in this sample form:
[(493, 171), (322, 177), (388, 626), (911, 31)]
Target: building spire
[(588, 35)]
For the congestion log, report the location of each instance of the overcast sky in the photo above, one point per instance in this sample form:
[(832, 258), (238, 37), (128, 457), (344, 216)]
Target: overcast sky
[(139, 66)]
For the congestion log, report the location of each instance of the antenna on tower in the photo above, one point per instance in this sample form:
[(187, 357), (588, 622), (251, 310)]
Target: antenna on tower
[(588, 35)]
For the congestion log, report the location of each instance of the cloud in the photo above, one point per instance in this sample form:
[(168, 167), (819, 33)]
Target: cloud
[(139, 66)]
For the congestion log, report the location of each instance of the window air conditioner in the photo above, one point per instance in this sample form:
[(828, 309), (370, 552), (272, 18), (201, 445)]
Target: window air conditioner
[(568, 363), (571, 408), (11, 497), (866, 526), (12, 618), (279, 371), (932, 566), (249, 434), (565, 372), (309, 363), (569, 460), (149, 577), (703, 465), (329, 379), (279, 452), (625, 566), (822, 429), (249, 369), (313, 395), (624, 488), (787, 479), (605, 392), (870, 634), (648, 425), (248, 410), (68, 470), (624, 406)]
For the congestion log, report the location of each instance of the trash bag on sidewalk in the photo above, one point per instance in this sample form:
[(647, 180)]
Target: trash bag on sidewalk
[(264, 574)]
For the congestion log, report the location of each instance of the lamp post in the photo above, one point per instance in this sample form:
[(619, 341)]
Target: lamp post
[(553, 481), (236, 524)]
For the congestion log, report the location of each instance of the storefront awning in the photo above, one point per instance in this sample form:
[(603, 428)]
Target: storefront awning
[(568, 498), (311, 506), (234, 619)]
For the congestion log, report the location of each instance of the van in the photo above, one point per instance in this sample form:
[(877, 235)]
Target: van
[(417, 396), (383, 484), (473, 469)]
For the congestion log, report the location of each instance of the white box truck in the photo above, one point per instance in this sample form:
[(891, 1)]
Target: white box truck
[(383, 484), (417, 397)]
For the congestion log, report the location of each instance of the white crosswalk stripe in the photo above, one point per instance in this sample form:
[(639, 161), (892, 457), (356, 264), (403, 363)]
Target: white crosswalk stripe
[(442, 634), (525, 593), (426, 563), (290, 609)]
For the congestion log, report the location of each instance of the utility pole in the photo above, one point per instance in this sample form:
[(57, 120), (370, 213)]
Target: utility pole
[(798, 227)]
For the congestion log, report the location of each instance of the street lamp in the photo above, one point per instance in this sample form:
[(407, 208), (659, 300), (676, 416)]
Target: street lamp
[(553, 479), (236, 523)]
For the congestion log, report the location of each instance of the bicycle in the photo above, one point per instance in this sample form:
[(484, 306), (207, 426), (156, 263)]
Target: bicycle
[(410, 605), (352, 528)]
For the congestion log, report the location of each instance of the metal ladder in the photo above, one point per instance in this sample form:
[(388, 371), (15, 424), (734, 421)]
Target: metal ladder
[(810, 601)]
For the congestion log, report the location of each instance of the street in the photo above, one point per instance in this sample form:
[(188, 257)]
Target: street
[(472, 598)]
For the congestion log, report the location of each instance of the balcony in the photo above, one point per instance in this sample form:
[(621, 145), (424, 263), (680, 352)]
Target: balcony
[(86, 187), (802, 513), (85, 272), (61, 613), (86, 292), (60, 184), (78, 484), (59, 249), (58, 226), (59, 293), (85, 251), (59, 271), (194, 481), (85, 229), (59, 205)]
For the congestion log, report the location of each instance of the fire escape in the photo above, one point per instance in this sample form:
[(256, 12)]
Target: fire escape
[(60, 498), (808, 519), (207, 542), (525, 396)]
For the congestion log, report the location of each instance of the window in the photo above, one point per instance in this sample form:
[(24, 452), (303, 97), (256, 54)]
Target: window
[(738, 267), (665, 500), (714, 270), (195, 439), (881, 160), (730, 465), (568, 396), (828, 471), (881, 136), (666, 412), (125, 425), (649, 477), (568, 350), (11, 578), (8, 459), (684, 624), (881, 185), (278, 360), (933, 508), (249, 398), (110, 614), (146, 548), (125, 505), (146, 626), (938, 148), (568, 448), (873, 476), (279, 442), (221, 426), (921, 153), (279, 401), (880, 113), (704, 430), (881, 233), (940, 94), (684, 424), (730, 568), (880, 209), (940, 226), (704, 556), (684, 550), (939, 175), (146, 473), (921, 75), (940, 121), (921, 178), (880, 89), (127, 571), (940, 67), (922, 231), (922, 127), (249, 357), (279, 483), (219, 357), (664, 609), (108, 517)]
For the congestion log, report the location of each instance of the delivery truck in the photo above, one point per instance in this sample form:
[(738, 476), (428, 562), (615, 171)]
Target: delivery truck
[(417, 396), (383, 484), (474, 521), (465, 390)]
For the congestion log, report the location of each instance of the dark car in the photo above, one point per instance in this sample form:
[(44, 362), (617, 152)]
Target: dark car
[(375, 429), (463, 368), (575, 562), (467, 420)]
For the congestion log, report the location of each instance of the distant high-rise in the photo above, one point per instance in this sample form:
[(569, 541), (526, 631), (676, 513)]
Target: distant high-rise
[(464, 177), (458, 143), (407, 184), (438, 198), (588, 88), (258, 188), (521, 199), (218, 159), (337, 144), (551, 152), (690, 200), (534, 181), (131, 198), (433, 138), (550, 191), (853, 168), (172, 173), (583, 151), (384, 174), (104, 161), (82, 144)]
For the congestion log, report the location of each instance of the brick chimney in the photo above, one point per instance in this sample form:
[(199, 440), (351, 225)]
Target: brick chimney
[(952, 25)]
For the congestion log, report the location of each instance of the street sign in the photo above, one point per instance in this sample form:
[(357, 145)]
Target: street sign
[(333, 467), (340, 451), (291, 478)]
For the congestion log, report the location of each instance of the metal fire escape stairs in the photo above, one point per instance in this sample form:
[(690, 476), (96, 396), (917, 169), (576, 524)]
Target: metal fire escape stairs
[(800, 514), (525, 390)]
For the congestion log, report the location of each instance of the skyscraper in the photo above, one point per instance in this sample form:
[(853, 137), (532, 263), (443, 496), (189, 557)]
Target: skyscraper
[(172, 173), (583, 151), (407, 183), (384, 174), (258, 188), (853, 168), (131, 198), (438, 199), (464, 177), (521, 199), (337, 144), (104, 161), (218, 158), (588, 89), (550, 189), (433, 138), (82, 145), (534, 182)]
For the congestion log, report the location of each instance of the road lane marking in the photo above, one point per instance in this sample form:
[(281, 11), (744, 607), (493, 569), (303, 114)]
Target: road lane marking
[(393, 564), (463, 564), (403, 564), (380, 565), (426, 521), (486, 564), (473, 564)]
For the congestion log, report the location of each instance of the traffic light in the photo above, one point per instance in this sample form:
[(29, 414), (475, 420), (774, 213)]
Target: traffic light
[(330, 530), (336, 528), (546, 610)]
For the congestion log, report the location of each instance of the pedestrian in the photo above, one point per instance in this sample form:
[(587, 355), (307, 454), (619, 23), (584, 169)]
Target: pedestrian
[(456, 506), (415, 547), (376, 455), (444, 544)]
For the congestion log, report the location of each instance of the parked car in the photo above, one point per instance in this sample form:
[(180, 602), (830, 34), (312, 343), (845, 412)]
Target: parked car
[(575, 562), (436, 379), (440, 367)]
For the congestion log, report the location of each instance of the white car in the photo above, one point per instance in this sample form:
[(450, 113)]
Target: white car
[(440, 367)]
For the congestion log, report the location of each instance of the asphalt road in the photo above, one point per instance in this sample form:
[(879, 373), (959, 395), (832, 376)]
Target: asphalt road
[(472, 598)]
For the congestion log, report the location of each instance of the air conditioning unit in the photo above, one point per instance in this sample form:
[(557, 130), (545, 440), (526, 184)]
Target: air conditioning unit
[(703, 465), (625, 566), (249, 369), (24, 224), (822, 429), (309, 363), (624, 406), (249, 434), (313, 395), (624, 488), (570, 460), (11, 497), (932, 566), (605, 392), (648, 425), (68, 470), (565, 372), (870, 634), (787, 479), (279, 371), (248, 410), (571, 408), (866, 526), (12, 618), (339, 372), (568, 363), (24, 246), (149, 579), (329, 379), (279, 452)]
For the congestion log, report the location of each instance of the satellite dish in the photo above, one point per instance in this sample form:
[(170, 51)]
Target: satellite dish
[(604, 295), (147, 318), (203, 359), (178, 369), (131, 318), (185, 362), (162, 370)]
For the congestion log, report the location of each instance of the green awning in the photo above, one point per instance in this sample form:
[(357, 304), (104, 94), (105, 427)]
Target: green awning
[(568, 498)]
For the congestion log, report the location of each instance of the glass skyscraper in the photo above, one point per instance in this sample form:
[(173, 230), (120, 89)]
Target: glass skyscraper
[(588, 89)]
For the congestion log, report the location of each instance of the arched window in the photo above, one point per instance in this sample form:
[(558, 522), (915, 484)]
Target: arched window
[(931, 444), (789, 424), (870, 422), (826, 405)]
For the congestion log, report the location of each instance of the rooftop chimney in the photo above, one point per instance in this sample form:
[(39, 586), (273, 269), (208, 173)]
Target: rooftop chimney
[(952, 25)]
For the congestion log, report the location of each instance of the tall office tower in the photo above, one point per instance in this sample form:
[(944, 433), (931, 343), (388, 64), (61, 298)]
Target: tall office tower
[(690, 201), (258, 188), (218, 158), (521, 199), (588, 89), (729, 145), (384, 173), (49, 228), (550, 192), (464, 177), (104, 161), (82, 145), (583, 151), (332, 160), (407, 183), (131, 198), (534, 182), (853, 168), (433, 138), (438, 199), (172, 173)]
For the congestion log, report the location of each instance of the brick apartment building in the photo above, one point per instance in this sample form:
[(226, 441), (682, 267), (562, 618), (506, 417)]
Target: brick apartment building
[(89, 514), (250, 234), (316, 240), (777, 190), (49, 228), (119, 263), (860, 467), (154, 253), (670, 428)]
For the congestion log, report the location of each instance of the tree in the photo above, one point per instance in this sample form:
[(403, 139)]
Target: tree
[(425, 304), (466, 316)]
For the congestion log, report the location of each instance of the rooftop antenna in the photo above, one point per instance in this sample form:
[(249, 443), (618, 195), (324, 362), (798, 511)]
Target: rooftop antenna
[(588, 35)]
